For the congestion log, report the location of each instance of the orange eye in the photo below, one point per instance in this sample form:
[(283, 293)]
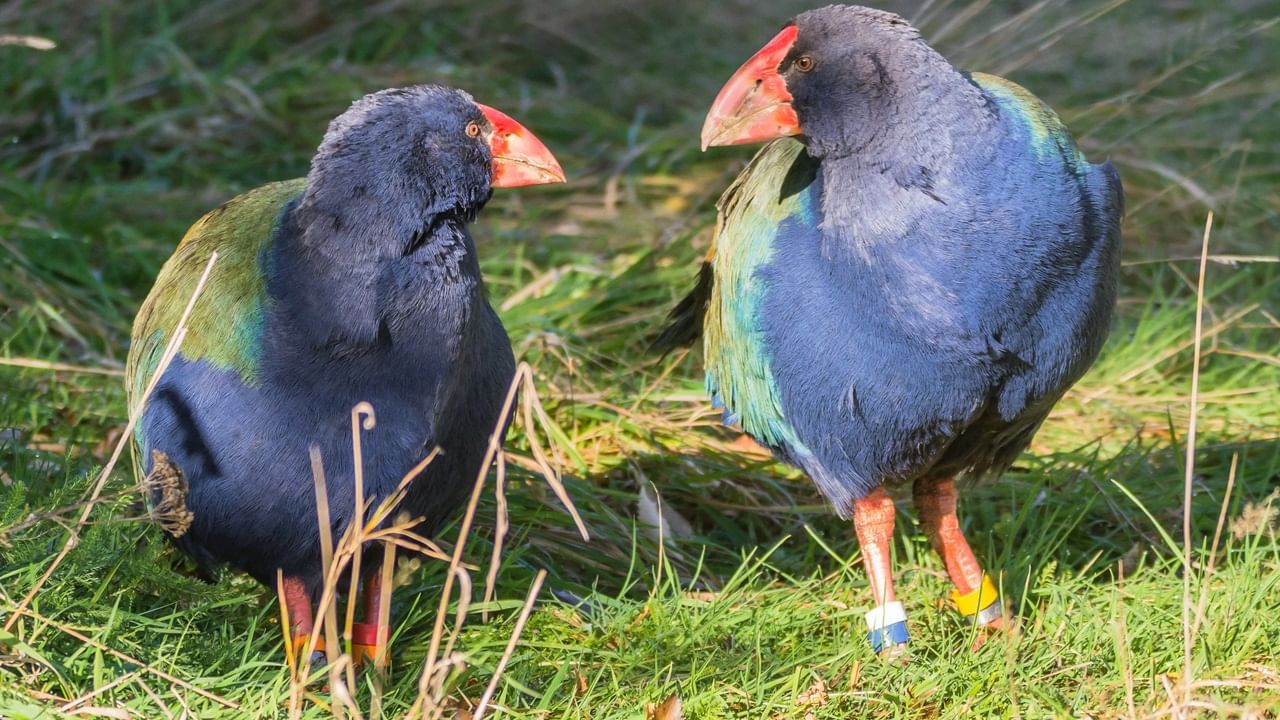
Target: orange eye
[(473, 129), (804, 63)]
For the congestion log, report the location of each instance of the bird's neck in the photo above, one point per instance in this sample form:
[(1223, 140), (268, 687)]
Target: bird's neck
[(363, 282), (913, 161)]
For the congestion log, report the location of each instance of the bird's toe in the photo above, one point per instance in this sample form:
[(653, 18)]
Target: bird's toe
[(895, 654)]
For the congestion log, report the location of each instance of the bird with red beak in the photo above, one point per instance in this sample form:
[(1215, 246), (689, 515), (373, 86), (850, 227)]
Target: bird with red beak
[(357, 286), (906, 278)]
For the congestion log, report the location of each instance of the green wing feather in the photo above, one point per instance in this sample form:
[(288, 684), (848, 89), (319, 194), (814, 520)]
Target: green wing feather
[(225, 326), (1049, 137), (734, 354)]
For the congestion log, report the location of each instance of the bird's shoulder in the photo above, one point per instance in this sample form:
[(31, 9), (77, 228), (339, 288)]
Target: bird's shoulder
[(1032, 120), (774, 187), (226, 320), (1047, 134)]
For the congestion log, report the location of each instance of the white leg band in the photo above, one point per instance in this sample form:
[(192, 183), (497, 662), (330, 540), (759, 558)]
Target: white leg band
[(886, 615)]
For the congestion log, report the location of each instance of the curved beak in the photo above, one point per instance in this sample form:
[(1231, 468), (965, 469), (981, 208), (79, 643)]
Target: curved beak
[(519, 157), (754, 105)]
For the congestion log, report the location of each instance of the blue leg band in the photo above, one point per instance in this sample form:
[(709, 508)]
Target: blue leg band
[(895, 634)]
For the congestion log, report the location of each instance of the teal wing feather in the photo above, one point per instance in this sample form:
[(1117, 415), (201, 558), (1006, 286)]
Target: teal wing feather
[(751, 213), (1049, 136), (225, 325)]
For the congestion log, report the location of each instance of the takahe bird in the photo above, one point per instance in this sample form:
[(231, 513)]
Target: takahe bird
[(900, 293), (357, 283)]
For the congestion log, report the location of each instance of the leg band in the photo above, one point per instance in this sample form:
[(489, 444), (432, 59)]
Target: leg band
[(364, 642), (982, 604), (887, 625), (989, 614)]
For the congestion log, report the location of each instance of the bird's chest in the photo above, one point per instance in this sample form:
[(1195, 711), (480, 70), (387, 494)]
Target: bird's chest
[(400, 362)]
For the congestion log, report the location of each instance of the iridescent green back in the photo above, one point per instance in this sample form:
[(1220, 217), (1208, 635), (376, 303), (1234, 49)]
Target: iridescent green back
[(225, 326)]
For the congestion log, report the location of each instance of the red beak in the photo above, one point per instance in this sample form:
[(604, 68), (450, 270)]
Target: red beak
[(754, 105), (519, 158)]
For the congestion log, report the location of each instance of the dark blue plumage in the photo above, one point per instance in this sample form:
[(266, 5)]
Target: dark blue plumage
[(901, 293), (358, 285), (961, 327), (938, 268), (435, 372)]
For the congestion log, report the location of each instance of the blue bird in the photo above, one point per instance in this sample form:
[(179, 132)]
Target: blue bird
[(358, 283), (904, 280)]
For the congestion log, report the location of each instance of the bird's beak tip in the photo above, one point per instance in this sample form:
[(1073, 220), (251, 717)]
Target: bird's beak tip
[(519, 157)]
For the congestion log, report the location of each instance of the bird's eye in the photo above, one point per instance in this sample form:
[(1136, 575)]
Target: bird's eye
[(804, 63), (473, 129)]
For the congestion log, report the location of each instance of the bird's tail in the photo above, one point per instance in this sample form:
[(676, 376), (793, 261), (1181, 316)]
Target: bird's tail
[(684, 323)]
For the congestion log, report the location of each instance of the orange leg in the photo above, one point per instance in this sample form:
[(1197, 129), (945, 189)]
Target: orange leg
[(873, 519), (372, 592), (297, 601), (975, 595), (370, 636)]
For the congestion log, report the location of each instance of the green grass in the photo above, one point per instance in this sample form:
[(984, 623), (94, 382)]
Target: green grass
[(147, 114)]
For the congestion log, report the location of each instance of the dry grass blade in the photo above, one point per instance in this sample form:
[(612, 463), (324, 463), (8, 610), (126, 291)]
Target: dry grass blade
[(34, 364), (386, 577), (346, 553), (369, 422), (511, 644), (127, 677), (1187, 634), (425, 696), (1203, 604), (532, 406), (465, 529), (499, 532), (161, 704), (329, 618), (34, 42), (56, 514), (382, 651), (170, 350), (459, 613)]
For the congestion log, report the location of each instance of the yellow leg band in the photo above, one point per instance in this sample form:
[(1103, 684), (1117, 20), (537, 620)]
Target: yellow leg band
[(973, 602)]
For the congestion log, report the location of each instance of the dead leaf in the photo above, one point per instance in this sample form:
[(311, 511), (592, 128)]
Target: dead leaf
[(1256, 517), (661, 521), (669, 709), (815, 696)]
